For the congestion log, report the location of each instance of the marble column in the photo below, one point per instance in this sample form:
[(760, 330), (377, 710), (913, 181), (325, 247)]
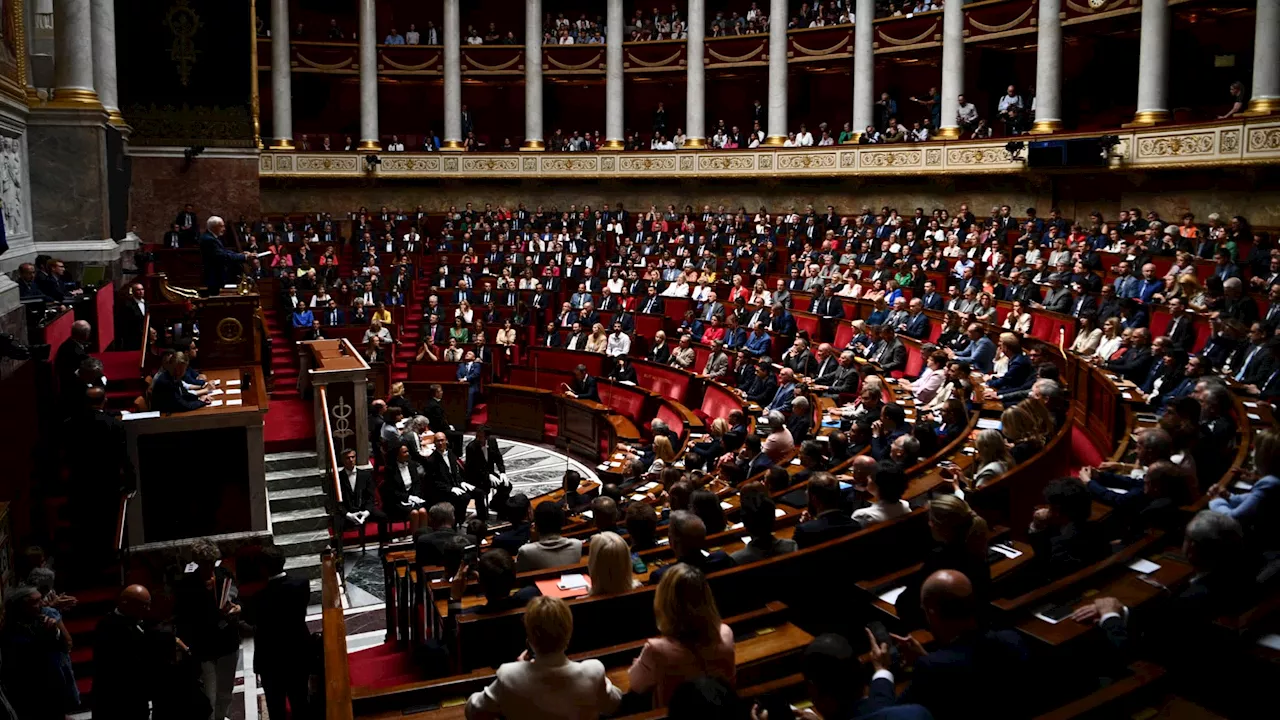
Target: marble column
[(1265, 97), (1153, 64), (695, 112), (281, 77), (452, 77), (952, 68), (73, 54), (369, 76), (103, 17), (776, 133), (864, 66), (614, 124), (533, 76), (1048, 68)]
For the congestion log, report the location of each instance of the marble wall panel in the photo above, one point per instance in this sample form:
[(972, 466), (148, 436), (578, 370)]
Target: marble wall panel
[(214, 185)]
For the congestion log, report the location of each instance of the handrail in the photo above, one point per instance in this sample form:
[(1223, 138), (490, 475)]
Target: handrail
[(122, 516), (142, 351), (330, 454), (337, 674)]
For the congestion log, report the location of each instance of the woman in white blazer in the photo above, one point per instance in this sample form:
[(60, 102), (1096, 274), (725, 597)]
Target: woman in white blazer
[(546, 684)]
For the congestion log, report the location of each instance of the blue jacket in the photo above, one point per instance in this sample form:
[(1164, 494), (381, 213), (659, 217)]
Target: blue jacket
[(981, 354), (1147, 288), (1258, 508), (918, 326), (1016, 376), (783, 397), (470, 372), (758, 344), (1126, 286)]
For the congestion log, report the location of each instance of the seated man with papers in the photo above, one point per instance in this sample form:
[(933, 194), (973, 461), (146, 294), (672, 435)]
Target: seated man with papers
[(584, 385)]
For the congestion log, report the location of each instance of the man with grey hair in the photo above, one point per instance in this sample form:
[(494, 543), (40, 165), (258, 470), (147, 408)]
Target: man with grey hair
[(71, 353), (779, 441), (688, 535), (207, 620), (220, 264)]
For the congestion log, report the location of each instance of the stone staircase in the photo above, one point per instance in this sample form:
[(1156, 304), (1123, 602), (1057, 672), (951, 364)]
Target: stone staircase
[(299, 521)]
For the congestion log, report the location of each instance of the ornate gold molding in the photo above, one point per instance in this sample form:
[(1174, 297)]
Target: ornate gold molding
[(1247, 141)]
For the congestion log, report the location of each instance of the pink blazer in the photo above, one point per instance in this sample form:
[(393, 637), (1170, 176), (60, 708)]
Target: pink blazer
[(664, 664)]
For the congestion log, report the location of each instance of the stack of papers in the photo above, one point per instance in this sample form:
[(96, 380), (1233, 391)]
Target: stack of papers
[(572, 582), (1145, 567), (891, 596), (234, 402), (725, 505), (1007, 550)]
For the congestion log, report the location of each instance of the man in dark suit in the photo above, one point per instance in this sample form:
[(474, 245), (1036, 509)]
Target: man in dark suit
[(445, 479), (835, 682), (469, 371), (552, 338), (967, 660), (185, 223), (439, 544), (688, 536), (917, 323), (281, 638), (71, 353), (357, 506), (652, 303), (826, 517), (125, 658), (516, 512), (220, 264), (1136, 361), (99, 471), (1181, 330), (1064, 539), (484, 469), (889, 352), (1019, 369), (333, 315), (932, 299), (1082, 303), (764, 387), (584, 385), (737, 432), (167, 392), (131, 315)]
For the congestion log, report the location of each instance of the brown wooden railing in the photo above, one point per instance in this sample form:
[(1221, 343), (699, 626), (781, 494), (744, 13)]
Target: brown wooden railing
[(337, 675)]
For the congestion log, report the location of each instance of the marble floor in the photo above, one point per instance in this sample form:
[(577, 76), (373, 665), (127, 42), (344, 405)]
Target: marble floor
[(532, 470)]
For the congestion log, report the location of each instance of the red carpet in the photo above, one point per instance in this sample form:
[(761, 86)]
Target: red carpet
[(382, 666), (289, 425)]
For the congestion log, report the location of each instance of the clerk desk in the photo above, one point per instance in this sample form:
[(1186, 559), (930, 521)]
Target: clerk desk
[(202, 472)]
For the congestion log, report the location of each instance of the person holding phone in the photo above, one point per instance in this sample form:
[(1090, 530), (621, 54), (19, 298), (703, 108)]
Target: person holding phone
[(991, 461)]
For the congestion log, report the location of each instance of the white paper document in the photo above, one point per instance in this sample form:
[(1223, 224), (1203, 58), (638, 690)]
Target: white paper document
[(1146, 567), (891, 596), (572, 582)]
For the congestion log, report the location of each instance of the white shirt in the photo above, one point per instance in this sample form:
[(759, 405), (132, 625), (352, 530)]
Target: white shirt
[(804, 139), (412, 37), (880, 510), (405, 477), (351, 477), (142, 306), (618, 344)]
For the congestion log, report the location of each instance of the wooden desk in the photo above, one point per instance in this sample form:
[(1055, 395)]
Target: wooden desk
[(338, 368), (201, 472)]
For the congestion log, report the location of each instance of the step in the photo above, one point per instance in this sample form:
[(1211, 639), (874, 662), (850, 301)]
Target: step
[(317, 591), (299, 498), (309, 542), (306, 566), (294, 478), (290, 461), (285, 522)]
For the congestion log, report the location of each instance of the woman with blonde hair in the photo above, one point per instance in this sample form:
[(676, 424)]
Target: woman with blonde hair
[(693, 641), (960, 537), (599, 340), (1021, 430), (991, 461), (397, 399), (1111, 339), (544, 683), (1044, 420), (760, 294), (465, 312), (663, 454), (609, 565), (1194, 295)]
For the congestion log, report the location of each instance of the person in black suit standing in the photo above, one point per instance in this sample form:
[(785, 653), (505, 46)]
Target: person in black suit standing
[(483, 465), (279, 619), (357, 506), (445, 479), (185, 224), (131, 316), (218, 261), (826, 517), (72, 352), (584, 385), (99, 471), (124, 658)]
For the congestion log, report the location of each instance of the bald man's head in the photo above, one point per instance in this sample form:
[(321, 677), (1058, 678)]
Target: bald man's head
[(134, 602), (95, 396), (947, 599)]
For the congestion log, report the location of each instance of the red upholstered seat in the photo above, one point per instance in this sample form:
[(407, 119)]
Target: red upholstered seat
[(717, 402), (670, 417), (915, 361), (1002, 311), (844, 333), (1047, 328), (1202, 335), (935, 330), (807, 324), (626, 401), (667, 382)]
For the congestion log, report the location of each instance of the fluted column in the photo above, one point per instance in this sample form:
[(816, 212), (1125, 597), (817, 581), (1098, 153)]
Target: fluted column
[(1265, 97), (695, 113), (533, 76), (776, 133), (1048, 68), (864, 66), (281, 77), (452, 76), (614, 125), (102, 13), (369, 76), (1153, 64), (952, 68), (73, 54)]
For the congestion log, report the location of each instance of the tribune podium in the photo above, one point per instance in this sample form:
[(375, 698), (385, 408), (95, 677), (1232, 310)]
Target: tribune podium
[(338, 379)]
